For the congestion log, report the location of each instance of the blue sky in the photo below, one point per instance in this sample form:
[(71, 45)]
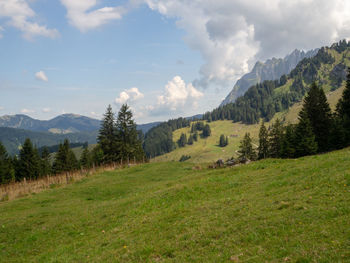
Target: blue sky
[(164, 58)]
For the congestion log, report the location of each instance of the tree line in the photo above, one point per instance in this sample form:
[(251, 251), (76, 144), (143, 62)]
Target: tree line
[(118, 141), (318, 130)]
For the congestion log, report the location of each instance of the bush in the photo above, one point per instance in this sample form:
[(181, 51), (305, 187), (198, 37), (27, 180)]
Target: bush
[(184, 158)]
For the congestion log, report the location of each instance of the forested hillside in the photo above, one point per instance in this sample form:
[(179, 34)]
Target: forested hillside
[(328, 68)]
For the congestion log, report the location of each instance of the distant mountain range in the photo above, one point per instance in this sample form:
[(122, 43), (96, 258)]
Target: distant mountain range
[(271, 69), (14, 129), (62, 124)]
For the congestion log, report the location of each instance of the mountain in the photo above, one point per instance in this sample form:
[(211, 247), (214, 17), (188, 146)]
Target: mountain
[(62, 124), (147, 126), (13, 138), (269, 70)]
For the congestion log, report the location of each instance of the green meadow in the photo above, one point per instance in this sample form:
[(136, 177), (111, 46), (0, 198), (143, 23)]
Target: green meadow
[(266, 211)]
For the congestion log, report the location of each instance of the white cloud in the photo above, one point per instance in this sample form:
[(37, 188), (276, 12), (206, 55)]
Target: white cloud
[(27, 111), (41, 76), (132, 94), (232, 34), (1, 108), (46, 110), (178, 94), (80, 15), (21, 16)]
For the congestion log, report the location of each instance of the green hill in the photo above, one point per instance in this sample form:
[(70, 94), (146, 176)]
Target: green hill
[(267, 211)]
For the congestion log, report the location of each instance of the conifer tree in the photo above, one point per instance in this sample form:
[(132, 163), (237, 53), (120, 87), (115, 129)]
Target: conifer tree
[(320, 116), (45, 162), (183, 140), (107, 138), (85, 161), (263, 149), (65, 159), (190, 140), (275, 139), (206, 131), (288, 142), (305, 143), (129, 146), (29, 162), (246, 148), (343, 110), (195, 136), (7, 173)]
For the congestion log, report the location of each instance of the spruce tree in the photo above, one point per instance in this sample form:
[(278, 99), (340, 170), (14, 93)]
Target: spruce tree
[(45, 165), (305, 143), (343, 110), (85, 161), (246, 150), (288, 142), (107, 138), (320, 116), (7, 173), (129, 146), (29, 162), (275, 139), (206, 131), (65, 159), (190, 140), (263, 149), (183, 140), (195, 136)]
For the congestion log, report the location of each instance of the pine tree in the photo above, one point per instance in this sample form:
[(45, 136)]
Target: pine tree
[(320, 116), (288, 142), (29, 162), (263, 149), (85, 161), (305, 143), (343, 110), (206, 131), (183, 140), (195, 136), (223, 141), (7, 173), (65, 159), (275, 139), (107, 138), (246, 150), (190, 140), (129, 145), (45, 166)]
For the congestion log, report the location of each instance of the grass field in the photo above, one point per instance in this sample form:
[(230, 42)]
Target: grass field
[(267, 211), (208, 150)]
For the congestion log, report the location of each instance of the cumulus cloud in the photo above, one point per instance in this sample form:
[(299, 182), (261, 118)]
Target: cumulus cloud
[(178, 94), (21, 16), (232, 34), (46, 110), (41, 76), (132, 94), (26, 111), (80, 16)]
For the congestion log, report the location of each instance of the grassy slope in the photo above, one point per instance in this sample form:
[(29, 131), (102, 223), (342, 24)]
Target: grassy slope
[(271, 210), (207, 150)]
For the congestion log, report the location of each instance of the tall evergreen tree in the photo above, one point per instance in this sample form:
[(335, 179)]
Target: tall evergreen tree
[(85, 160), (246, 148), (7, 173), (190, 140), (183, 140), (45, 165), (304, 136), (320, 116), (65, 159), (206, 131), (263, 149), (129, 145), (275, 139), (107, 138), (288, 142), (29, 162), (343, 109)]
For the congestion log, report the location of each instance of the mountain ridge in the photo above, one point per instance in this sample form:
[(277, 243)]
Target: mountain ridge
[(271, 69)]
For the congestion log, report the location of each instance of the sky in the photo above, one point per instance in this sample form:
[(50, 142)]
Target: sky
[(164, 58)]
